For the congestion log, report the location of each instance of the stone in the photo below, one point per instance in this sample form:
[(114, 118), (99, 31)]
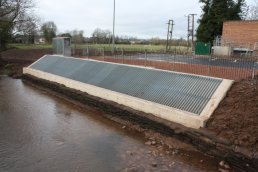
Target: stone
[(154, 164), (148, 143), (221, 163), (153, 143), (224, 164)]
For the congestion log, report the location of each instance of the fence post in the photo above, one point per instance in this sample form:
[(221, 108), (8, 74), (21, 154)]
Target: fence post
[(209, 67), (174, 60), (103, 53), (123, 55), (87, 51), (254, 68), (145, 57)]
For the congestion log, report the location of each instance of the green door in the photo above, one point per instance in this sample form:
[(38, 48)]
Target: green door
[(202, 48)]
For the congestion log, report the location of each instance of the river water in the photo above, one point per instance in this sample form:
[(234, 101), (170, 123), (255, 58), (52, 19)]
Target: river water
[(40, 132)]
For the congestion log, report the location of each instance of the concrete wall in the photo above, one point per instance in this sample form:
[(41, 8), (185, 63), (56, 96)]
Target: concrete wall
[(221, 51), (171, 114), (241, 32)]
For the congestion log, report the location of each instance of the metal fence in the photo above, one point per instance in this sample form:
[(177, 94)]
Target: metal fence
[(235, 68)]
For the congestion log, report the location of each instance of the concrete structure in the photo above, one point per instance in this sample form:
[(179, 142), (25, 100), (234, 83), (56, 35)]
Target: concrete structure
[(186, 99), (221, 50)]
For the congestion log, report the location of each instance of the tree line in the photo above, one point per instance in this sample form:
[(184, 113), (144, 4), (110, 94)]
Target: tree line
[(17, 20)]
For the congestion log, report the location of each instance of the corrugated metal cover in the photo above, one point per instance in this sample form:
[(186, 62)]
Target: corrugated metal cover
[(186, 92)]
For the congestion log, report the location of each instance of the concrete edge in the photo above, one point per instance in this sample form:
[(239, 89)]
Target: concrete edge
[(215, 100), (38, 60), (171, 114)]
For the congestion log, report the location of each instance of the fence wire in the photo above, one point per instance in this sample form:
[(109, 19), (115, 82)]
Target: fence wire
[(234, 68)]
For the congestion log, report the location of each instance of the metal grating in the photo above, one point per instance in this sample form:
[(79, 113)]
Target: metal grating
[(186, 92)]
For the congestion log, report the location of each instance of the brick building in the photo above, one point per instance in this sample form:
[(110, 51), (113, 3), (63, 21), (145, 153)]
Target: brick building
[(242, 34)]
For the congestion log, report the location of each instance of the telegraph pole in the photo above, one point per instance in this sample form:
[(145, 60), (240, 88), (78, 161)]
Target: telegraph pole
[(191, 29), (169, 33), (188, 31), (114, 17)]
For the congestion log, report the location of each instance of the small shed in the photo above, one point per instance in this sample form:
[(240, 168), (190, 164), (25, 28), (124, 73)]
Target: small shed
[(62, 46)]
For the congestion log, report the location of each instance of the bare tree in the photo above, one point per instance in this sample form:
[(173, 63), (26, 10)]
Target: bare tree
[(101, 36), (77, 36), (49, 30), (252, 13), (16, 16)]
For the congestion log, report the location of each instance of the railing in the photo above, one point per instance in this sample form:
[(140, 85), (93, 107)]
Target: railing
[(235, 68)]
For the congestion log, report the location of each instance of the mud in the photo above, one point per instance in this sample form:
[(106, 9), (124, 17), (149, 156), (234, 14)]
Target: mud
[(236, 119), (12, 61), (204, 140)]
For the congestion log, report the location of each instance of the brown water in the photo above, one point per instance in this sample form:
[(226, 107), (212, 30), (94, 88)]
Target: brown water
[(39, 132)]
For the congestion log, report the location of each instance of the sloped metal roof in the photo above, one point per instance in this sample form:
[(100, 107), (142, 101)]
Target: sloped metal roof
[(186, 92)]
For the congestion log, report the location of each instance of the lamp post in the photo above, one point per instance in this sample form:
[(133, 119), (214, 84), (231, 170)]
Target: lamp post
[(114, 15)]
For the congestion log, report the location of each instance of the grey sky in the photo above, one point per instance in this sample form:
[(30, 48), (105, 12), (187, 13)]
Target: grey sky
[(140, 18)]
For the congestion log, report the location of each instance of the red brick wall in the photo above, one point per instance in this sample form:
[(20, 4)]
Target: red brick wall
[(240, 32)]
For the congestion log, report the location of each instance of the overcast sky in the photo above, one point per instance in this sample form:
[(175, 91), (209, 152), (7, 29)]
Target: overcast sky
[(140, 18)]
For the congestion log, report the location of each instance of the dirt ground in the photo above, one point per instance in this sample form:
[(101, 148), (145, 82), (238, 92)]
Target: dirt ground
[(236, 119), (13, 60)]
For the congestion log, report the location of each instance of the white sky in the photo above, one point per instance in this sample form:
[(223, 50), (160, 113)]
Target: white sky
[(140, 18)]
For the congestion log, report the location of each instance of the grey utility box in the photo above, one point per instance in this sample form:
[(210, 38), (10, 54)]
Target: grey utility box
[(62, 46)]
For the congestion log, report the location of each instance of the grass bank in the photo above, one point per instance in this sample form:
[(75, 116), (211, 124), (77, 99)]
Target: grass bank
[(108, 47)]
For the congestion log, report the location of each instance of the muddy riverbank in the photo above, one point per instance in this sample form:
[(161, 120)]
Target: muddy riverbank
[(42, 131), (202, 139)]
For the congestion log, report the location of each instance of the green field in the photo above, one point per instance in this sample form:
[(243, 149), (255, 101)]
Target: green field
[(108, 47), (30, 46)]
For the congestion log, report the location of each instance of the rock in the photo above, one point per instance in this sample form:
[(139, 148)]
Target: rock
[(224, 164), (227, 166), (221, 163), (148, 143), (201, 161), (153, 143), (154, 164), (123, 127), (170, 165), (175, 152), (154, 153)]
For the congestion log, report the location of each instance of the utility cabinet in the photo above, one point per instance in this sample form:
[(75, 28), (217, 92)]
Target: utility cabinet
[(202, 48)]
